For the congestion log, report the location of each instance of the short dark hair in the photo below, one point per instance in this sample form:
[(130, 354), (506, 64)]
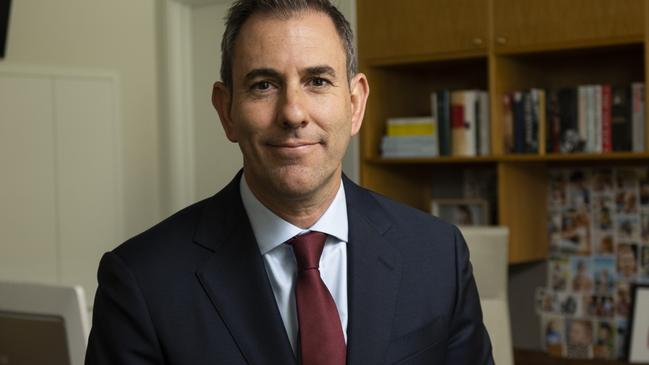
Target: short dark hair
[(241, 10)]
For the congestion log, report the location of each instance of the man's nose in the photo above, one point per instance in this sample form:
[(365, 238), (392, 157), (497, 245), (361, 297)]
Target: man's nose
[(292, 109)]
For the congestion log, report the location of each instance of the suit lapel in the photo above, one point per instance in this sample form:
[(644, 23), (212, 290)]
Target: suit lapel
[(236, 282), (374, 270)]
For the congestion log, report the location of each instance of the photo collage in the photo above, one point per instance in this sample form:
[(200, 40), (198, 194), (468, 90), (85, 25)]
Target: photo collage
[(598, 227)]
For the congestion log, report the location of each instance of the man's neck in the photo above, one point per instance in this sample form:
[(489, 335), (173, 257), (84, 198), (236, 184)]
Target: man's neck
[(301, 211)]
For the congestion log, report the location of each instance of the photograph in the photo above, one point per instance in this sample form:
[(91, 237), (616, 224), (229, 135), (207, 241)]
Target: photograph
[(582, 274), (575, 232), (604, 243), (644, 225), (628, 227), (604, 341), (626, 202), (622, 299), (559, 273), (626, 179), (579, 189), (547, 301), (604, 273), (602, 181), (557, 189), (639, 325), (553, 334), (627, 260), (621, 326), (579, 342), (644, 190), (644, 262), (554, 231), (462, 212)]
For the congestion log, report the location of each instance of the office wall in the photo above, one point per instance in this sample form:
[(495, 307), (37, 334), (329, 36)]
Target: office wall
[(116, 35), (80, 141)]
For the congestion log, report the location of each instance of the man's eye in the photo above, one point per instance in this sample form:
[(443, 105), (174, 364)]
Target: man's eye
[(262, 85), (319, 82)]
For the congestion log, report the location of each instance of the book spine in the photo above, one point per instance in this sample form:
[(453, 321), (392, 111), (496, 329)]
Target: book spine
[(508, 119), (444, 114), (597, 112), (485, 125), (570, 139), (607, 145), (457, 123), (554, 137), (589, 141), (542, 121), (638, 117), (621, 118), (519, 122), (582, 112), (471, 130), (532, 121)]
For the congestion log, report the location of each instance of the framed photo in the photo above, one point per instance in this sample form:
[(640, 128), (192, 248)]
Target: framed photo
[(639, 325), (464, 212)]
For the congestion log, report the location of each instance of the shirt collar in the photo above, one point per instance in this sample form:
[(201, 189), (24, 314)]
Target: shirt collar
[(271, 230)]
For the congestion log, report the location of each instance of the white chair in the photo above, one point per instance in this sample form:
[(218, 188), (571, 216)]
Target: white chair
[(42, 324), (488, 252)]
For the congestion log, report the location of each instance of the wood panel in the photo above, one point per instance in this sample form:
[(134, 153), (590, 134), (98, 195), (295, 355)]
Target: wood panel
[(526, 25), (418, 28), (522, 208)]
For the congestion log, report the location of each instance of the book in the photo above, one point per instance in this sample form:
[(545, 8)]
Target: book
[(463, 122), (582, 113), (409, 146), (553, 138), (518, 112), (484, 125), (570, 140), (529, 118), (508, 121), (411, 126), (621, 118), (538, 96), (637, 117), (444, 122), (607, 144), (597, 119)]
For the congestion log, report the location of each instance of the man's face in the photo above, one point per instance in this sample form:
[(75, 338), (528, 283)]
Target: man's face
[(291, 106)]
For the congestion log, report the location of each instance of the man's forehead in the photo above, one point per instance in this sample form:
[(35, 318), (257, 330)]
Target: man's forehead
[(307, 36)]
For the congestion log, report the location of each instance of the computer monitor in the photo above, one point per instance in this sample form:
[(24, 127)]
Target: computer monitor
[(42, 324)]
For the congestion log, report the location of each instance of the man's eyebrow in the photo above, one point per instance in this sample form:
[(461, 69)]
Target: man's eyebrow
[(321, 70), (262, 72)]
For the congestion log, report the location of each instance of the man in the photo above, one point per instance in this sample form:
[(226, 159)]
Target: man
[(291, 262)]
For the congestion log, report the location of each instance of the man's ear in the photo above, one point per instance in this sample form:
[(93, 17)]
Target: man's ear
[(222, 100), (360, 91)]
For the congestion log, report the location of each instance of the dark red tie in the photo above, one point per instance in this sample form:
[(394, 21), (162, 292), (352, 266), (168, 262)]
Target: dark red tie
[(321, 335)]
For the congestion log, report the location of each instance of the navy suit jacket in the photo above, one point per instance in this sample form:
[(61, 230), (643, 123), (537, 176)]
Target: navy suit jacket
[(194, 290)]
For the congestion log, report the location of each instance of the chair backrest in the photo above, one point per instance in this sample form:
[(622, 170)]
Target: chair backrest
[(42, 324), (488, 252)]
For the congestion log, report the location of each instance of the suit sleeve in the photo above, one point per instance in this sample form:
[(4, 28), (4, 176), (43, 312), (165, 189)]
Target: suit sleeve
[(469, 341), (122, 330)]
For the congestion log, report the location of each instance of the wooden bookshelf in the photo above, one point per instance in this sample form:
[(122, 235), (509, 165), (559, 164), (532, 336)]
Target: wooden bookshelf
[(409, 49)]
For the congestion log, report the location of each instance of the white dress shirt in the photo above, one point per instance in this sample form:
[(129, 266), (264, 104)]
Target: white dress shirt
[(272, 232)]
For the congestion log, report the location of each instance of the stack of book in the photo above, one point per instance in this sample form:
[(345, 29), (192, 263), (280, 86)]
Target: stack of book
[(586, 118), (410, 137)]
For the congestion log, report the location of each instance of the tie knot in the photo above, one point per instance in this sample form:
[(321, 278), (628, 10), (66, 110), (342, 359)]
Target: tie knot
[(308, 248)]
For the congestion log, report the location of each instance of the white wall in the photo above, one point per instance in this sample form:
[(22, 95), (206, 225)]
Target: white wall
[(115, 35), (72, 189)]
